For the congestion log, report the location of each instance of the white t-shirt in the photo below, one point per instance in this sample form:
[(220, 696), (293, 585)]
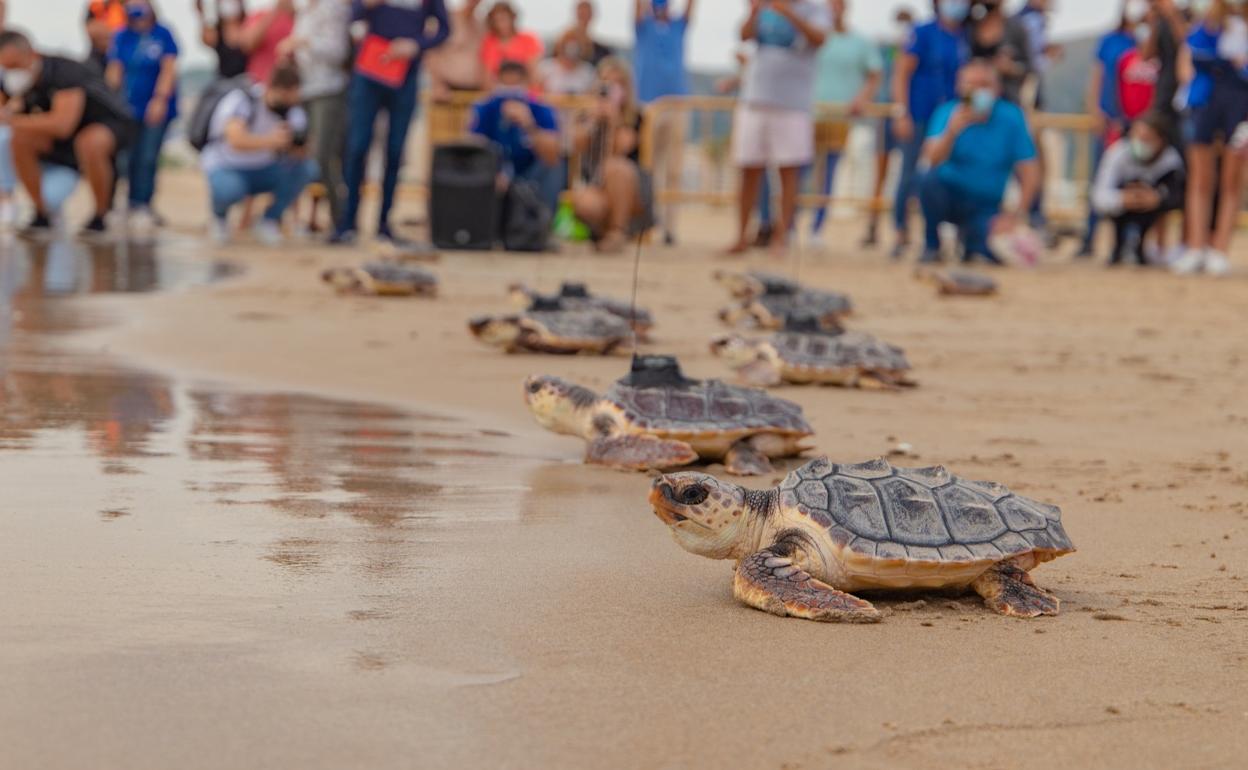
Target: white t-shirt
[(555, 79), (782, 73), (218, 154)]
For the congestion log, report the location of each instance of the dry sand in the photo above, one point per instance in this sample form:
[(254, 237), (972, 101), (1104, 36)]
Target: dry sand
[(560, 626)]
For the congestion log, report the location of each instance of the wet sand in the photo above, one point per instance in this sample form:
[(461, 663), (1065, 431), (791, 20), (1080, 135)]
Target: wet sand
[(532, 612)]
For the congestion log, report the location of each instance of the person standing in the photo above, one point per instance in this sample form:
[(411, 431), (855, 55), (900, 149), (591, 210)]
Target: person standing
[(321, 46), (223, 34), (456, 64), (387, 70), (849, 72), (142, 65), (565, 73), (885, 140), (1101, 97), (592, 50), (104, 19), (659, 69), (261, 38), (773, 125), (1218, 103), (504, 41), (925, 78)]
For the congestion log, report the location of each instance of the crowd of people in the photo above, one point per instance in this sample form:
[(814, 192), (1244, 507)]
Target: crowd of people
[(301, 88)]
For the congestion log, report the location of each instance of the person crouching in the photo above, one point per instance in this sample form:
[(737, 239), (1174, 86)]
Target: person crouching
[(257, 144), (1140, 179)]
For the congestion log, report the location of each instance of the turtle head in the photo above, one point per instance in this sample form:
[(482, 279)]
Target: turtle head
[(741, 285), (559, 405), (735, 350), (709, 517), (499, 331), (343, 279)]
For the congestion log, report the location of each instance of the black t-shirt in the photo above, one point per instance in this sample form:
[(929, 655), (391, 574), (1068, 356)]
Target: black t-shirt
[(60, 74), (231, 61)]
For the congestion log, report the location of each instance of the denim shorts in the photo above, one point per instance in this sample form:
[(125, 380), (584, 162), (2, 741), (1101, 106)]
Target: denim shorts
[(1219, 117)]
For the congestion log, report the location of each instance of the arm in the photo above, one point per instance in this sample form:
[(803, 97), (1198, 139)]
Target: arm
[(114, 74), (814, 35), (62, 120), (444, 27), (253, 32), (158, 107), (99, 34), (1106, 197), (870, 87), (1028, 183), (903, 123), (239, 138), (749, 28), (689, 10)]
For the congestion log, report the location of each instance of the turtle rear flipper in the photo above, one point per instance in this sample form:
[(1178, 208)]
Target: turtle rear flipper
[(1009, 590), (744, 459), (641, 453), (771, 582)]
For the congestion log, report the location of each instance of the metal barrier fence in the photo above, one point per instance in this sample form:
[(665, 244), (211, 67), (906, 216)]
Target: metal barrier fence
[(707, 176)]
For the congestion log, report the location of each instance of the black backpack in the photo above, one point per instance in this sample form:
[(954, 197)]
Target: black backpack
[(526, 219), (199, 126)]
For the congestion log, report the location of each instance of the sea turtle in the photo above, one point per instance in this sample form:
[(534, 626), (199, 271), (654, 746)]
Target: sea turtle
[(547, 328), (829, 530), (656, 418), (804, 354), (382, 279), (576, 296), (754, 283), (958, 282)]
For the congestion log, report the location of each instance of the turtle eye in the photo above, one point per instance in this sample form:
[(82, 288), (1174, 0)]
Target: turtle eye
[(535, 386), (692, 495)]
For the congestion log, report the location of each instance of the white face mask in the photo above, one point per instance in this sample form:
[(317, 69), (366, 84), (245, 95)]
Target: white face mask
[(1233, 42), (1135, 11), (18, 82)]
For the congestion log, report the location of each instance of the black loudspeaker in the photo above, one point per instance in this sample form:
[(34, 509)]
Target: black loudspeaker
[(463, 203)]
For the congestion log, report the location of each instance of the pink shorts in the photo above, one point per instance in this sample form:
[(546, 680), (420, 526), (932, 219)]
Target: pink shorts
[(772, 137)]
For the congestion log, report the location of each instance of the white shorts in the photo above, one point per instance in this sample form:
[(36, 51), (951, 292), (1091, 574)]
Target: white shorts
[(772, 137)]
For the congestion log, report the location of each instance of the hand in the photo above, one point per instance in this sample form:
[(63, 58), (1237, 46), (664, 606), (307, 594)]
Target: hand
[(962, 117), (285, 6), (857, 106), (157, 110), (280, 138), (518, 113), (287, 48), (903, 128), (403, 49), (1006, 223)]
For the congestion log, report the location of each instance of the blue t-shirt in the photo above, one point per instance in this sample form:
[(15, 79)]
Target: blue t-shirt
[(940, 53), (140, 53), (1108, 52), (488, 121), (984, 155), (659, 58)]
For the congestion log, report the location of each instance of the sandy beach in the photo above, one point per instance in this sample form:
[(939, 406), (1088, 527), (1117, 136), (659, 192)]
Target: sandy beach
[(425, 578)]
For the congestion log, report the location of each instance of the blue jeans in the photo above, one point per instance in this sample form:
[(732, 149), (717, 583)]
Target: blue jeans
[(830, 162), (942, 203), (549, 181), (365, 100), (8, 175), (285, 179), (1094, 219), (144, 158), (908, 184)]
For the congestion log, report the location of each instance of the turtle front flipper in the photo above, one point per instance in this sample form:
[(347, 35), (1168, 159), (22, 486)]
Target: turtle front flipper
[(760, 373), (771, 582), (1009, 590), (640, 453)]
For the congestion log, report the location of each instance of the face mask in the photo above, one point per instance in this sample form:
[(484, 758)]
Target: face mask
[(1142, 33), (137, 13), (1142, 151), (572, 50), (954, 11), (983, 100), (280, 110), (1135, 11), (18, 82)]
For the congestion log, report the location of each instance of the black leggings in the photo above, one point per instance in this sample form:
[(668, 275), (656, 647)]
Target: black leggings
[(1129, 231)]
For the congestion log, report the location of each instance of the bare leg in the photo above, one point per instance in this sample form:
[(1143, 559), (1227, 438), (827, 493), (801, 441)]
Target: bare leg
[(1228, 206), (27, 147), (751, 182), (94, 147), (789, 178), (1199, 194), (623, 193), (590, 206)]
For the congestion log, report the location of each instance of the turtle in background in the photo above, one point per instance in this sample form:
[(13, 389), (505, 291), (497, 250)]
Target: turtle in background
[(828, 531), (576, 296), (546, 327), (382, 279), (803, 353), (656, 418), (957, 283), (764, 301)]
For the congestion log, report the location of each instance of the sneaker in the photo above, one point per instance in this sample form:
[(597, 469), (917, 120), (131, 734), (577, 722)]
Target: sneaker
[(669, 239), (929, 257), (141, 221), (38, 227), (1192, 262), (8, 214), (95, 228), (219, 232), (899, 251), (398, 242), (1216, 263), (268, 232), (1085, 251)]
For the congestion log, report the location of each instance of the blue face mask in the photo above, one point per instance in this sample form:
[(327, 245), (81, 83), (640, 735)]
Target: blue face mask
[(954, 11), (137, 13), (983, 100)]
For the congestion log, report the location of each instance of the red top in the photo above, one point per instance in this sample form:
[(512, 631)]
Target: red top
[(1137, 83), (260, 62), (522, 47)]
